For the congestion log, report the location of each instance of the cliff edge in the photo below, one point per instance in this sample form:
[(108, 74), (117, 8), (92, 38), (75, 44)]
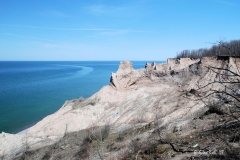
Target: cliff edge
[(156, 102)]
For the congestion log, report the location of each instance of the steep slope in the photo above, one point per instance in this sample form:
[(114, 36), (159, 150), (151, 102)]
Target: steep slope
[(155, 102)]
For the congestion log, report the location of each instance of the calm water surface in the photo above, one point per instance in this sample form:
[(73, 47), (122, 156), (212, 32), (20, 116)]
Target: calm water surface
[(29, 91)]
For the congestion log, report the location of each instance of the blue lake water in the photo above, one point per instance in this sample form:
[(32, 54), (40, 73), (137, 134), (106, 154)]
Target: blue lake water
[(29, 91)]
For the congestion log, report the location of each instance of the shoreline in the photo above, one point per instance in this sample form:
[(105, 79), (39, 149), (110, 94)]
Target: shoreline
[(23, 131)]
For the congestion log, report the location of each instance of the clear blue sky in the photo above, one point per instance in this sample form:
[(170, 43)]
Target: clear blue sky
[(113, 29)]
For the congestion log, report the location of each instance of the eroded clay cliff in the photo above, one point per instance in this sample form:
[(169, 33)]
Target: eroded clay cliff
[(134, 98)]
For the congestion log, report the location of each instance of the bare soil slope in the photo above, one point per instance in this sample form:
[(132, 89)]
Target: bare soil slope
[(150, 113)]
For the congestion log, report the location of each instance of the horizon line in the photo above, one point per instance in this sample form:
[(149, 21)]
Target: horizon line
[(76, 60)]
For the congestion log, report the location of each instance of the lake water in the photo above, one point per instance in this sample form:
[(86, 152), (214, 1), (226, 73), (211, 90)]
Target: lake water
[(29, 91)]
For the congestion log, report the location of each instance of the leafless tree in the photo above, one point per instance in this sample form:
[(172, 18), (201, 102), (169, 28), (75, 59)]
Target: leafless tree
[(221, 48), (222, 96)]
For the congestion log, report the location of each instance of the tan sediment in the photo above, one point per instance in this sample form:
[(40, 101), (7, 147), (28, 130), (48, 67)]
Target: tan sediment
[(131, 95)]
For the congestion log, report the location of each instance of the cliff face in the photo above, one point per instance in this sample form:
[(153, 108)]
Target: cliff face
[(125, 76), (158, 93)]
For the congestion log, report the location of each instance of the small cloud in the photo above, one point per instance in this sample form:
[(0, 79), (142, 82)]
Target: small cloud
[(22, 36), (97, 9), (58, 14), (119, 32), (68, 46), (54, 13), (49, 28), (114, 33), (102, 30), (104, 9), (34, 43)]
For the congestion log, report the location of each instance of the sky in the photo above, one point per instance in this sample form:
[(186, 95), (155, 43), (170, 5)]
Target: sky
[(81, 30)]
